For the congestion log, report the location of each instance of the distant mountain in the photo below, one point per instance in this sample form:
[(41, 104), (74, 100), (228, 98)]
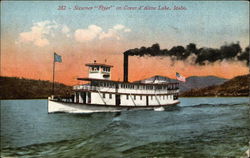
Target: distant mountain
[(21, 88), (200, 82), (191, 82), (238, 86)]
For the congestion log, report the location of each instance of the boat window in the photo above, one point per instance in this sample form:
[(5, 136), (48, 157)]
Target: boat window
[(134, 97), (127, 97), (151, 97), (141, 97), (103, 95), (95, 68), (110, 96)]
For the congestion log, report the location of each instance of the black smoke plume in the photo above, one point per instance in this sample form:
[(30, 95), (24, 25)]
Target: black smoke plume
[(203, 56)]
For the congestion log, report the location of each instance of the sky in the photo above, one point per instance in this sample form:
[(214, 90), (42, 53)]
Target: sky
[(31, 31)]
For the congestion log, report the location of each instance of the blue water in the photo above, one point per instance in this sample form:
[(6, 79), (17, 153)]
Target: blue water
[(198, 127)]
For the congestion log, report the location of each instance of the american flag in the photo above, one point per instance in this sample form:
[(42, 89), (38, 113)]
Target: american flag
[(180, 78)]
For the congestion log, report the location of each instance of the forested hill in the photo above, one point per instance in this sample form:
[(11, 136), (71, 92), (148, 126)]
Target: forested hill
[(238, 86), (21, 88)]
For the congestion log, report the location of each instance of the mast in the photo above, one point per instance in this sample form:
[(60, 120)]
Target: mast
[(53, 85), (57, 58)]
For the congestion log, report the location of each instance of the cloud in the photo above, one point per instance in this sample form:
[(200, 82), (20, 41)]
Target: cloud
[(110, 34), (127, 30), (96, 32), (38, 34), (65, 30), (119, 27), (82, 35)]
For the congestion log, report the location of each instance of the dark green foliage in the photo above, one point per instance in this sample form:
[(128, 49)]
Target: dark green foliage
[(22, 88)]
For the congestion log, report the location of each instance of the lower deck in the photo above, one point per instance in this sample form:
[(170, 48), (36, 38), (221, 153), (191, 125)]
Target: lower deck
[(70, 107)]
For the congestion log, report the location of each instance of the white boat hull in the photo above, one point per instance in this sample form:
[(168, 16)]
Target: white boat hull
[(57, 107)]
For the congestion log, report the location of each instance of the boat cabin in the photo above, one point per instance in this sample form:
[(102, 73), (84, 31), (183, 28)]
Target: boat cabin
[(99, 71)]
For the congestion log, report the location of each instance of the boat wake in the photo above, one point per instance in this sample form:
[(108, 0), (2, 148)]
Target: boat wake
[(79, 147), (212, 105), (159, 109)]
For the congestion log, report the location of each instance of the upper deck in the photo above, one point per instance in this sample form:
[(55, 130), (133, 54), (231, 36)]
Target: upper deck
[(127, 87)]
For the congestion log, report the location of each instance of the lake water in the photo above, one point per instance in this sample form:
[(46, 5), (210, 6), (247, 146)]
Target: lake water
[(198, 127)]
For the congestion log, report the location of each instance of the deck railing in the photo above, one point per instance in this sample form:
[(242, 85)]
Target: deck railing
[(86, 87), (125, 90)]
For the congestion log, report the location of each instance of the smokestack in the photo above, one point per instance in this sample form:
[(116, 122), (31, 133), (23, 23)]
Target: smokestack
[(125, 67)]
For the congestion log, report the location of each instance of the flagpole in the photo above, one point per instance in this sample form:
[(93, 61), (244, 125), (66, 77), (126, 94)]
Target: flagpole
[(53, 90)]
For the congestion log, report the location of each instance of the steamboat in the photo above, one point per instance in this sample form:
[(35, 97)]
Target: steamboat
[(101, 94)]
